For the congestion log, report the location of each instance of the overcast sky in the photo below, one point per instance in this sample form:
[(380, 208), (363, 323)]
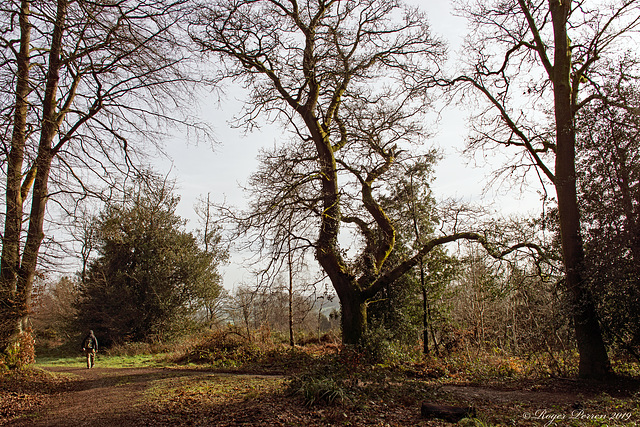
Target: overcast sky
[(199, 169)]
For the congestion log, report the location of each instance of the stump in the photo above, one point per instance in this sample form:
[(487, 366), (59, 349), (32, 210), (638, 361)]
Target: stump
[(452, 414)]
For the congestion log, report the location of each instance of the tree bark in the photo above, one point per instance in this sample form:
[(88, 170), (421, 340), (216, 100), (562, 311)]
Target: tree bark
[(425, 310), (14, 203), (290, 265), (18, 275), (10, 261), (354, 318), (594, 360)]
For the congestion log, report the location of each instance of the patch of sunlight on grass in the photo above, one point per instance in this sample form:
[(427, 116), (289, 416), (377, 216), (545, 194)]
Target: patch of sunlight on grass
[(138, 361)]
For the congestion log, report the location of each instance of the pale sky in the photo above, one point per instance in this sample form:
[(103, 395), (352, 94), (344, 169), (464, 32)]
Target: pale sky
[(200, 170)]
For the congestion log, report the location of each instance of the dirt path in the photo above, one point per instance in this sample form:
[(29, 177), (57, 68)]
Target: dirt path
[(473, 394), (101, 397), (160, 397)]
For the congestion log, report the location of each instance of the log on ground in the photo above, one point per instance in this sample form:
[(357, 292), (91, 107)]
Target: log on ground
[(446, 412)]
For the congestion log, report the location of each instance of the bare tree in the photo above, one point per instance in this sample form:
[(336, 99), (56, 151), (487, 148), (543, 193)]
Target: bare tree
[(349, 79), (536, 63), (319, 61), (87, 77), (54, 309)]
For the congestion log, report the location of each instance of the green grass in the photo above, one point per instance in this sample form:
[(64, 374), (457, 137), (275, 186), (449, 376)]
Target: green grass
[(104, 361)]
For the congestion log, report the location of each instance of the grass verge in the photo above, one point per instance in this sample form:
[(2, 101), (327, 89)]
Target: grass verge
[(106, 361)]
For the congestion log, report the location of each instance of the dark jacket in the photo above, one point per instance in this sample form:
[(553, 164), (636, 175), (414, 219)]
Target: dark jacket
[(90, 341)]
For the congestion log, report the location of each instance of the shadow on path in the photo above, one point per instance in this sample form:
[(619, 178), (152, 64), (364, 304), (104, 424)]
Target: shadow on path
[(101, 397)]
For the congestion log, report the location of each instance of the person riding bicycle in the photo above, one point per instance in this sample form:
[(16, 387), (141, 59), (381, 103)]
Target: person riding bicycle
[(90, 347)]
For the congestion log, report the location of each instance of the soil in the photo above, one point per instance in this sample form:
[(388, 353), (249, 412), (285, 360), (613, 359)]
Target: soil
[(98, 397), (187, 397)]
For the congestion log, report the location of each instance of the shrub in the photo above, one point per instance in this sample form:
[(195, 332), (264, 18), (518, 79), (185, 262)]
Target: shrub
[(347, 378), (139, 348), (327, 389), (225, 347)]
